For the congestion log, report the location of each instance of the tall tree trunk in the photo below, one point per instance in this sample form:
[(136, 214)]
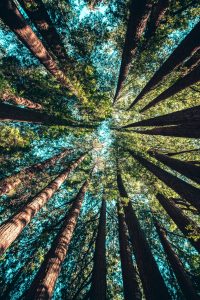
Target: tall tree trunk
[(192, 62), (16, 22), (185, 168), (184, 189), (182, 152), (189, 45), (8, 97), (190, 130), (185, 224), (12, 228), (130, 285), (178, 117), (98, 281), (152, 281), (11, 182), (44, 282), (139, 14), (181, 84), (177, 266)]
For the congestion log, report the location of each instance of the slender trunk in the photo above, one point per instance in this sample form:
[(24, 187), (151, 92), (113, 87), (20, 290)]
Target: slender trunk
[(177, 266), (185, 224), (192, 62), (184, 116), (11, 182), (185, 168), (98, 281), (184, 189), (190, 130), (181, 84), (7, 97), (130, 285), (44, 282), (182, 152), (12, 17), (139, 14), (189, 45), (152, 281), (12, 228)]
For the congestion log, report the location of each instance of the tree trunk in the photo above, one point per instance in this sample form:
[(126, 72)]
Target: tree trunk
[(130, 285), (186, 169), (182, 152), (152, 281), (11, 182), (184, 189), (189, 45), (184, 116), (192, 62), (16, 22), (190, 130), (177, 266), (44, 282), (139, 14), (7, 97), (12, 228), (98, 281), (185, 224), (181, 84)]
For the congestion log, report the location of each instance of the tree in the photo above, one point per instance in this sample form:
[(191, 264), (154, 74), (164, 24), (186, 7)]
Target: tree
[(12, 228), (8, 97)]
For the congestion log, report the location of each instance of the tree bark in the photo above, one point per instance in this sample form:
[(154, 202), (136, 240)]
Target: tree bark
[(44, 282), (177, 266), (181, 84), (184, 189), (185, 168), (184, 116), (98, 281), (12, 228), (130, 285), (16, 22), (11, 182), (185, 224), (139, 14), (189, 45), (152, 281), (7, 97)]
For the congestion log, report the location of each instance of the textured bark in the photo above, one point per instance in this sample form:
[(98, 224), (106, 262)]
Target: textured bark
[(190, 130), (139, 14), (177, 266), (11, 182), (152, 281), (185, 49), (16, 22), (178, 117), (184, 189), (130, 285), (12, 228), (181, 84), (7, 97), (98, 281), (185, 168), (185, 224), (44, 282)]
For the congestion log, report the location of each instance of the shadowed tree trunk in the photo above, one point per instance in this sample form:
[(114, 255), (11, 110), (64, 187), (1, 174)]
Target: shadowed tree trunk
[(16, 22), (185, 224), (139, 13), (177, 266), (181, 84), (186, 169), (189, 45), (98, 281), (184, 189), (152, 281), (7, 97), (12, 228), (11, 182), (178, 117), (182, 152), (130, 285), (44, 282), (192, 62)]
